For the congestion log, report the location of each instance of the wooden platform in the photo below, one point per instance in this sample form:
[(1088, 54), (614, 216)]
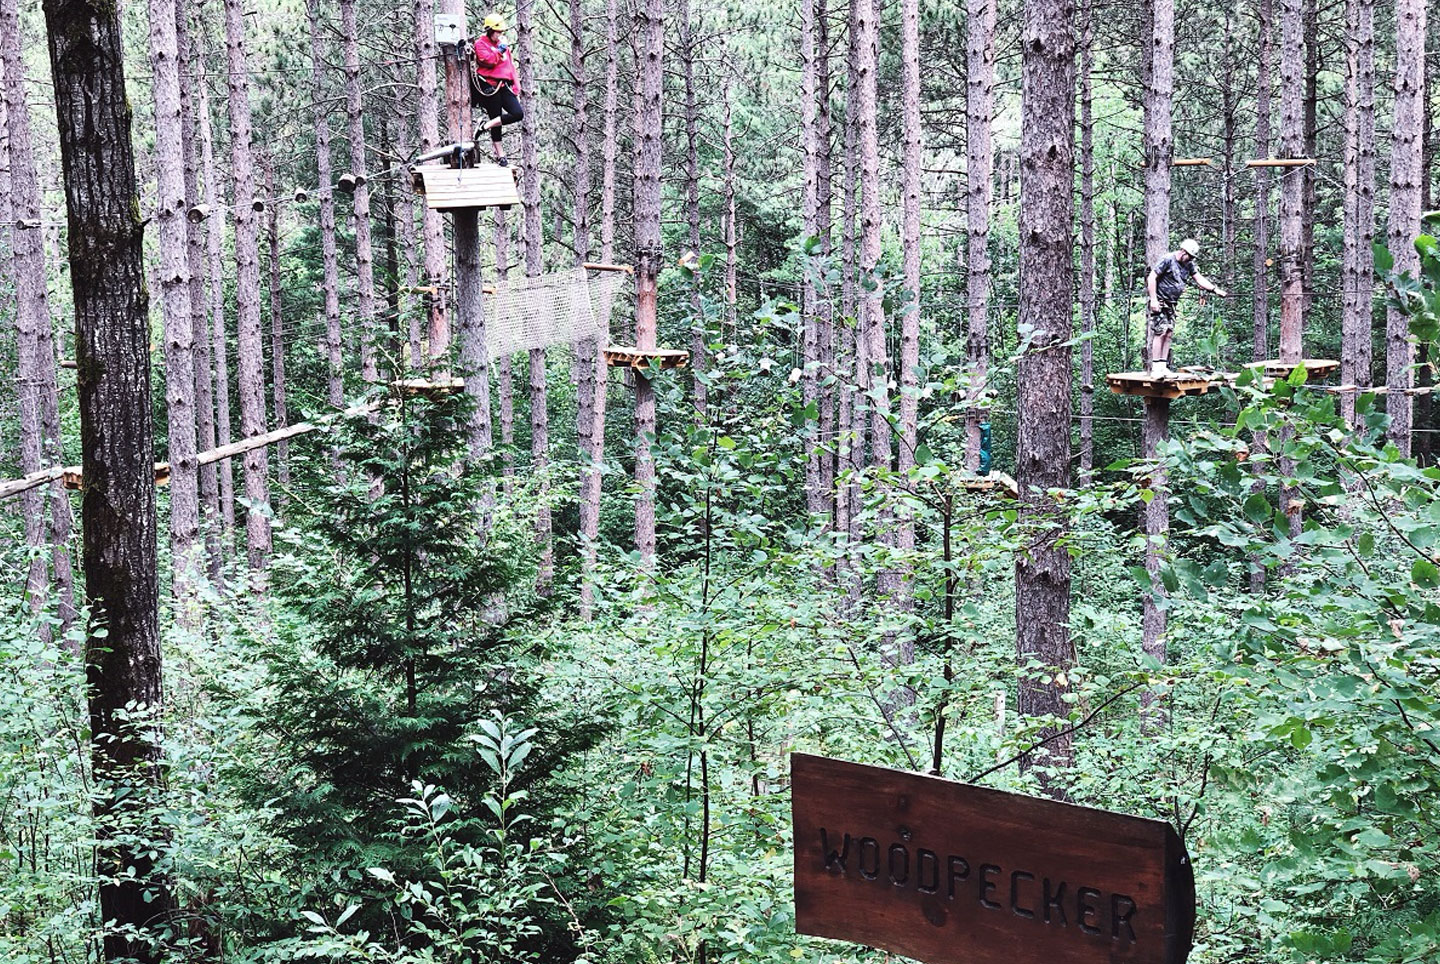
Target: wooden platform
[(451, 189), (429, 387), (1316, 367), (1175, 384), (620, 356), (994, 482)]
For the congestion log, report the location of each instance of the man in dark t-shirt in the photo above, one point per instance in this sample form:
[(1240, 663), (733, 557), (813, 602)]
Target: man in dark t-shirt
[(1166, 283)]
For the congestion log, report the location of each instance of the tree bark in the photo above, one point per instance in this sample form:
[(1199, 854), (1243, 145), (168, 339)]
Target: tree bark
[(825, 306), (1159, 142), (1260, 303), (277, 321), (610, 132), (249, 339), (698, 338), (580, 115), (208, 479), (910, 185), (1309, 194), (437, 309), (810, 291), (325, 195), (1042, 569), (650, 28), (122, 652), (732, 225), (37, 391), (1292, 184), (214, 243), (1405, 176), (979, 177), (360, 211), (1087, 246), (1358, 277), (178, 320)]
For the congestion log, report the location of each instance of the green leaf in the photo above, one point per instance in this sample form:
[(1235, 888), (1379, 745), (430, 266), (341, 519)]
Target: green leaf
[(1257, 508), (1425, 574), (1383, 259)]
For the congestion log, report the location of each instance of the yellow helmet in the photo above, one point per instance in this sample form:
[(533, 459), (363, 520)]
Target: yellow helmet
[(495, 22)]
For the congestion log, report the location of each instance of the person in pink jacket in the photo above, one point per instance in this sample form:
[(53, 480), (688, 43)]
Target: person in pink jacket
[(495, 84)]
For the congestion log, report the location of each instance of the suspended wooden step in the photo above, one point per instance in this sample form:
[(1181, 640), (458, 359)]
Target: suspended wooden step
[(454, 189), (620, 356), (1281, 162), (1190, 162), (1180, 383), (1317, 367), (994, 482), (429, 387)]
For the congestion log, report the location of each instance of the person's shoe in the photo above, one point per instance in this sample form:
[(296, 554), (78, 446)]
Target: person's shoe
[(502, 162)]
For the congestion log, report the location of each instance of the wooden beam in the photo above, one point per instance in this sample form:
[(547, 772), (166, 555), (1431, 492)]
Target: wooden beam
[(598, 266), (1190, 162), (1281, 162)]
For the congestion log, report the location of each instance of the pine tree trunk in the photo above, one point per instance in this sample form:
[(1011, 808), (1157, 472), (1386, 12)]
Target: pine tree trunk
[(1087, 247), (979, 177), (249, 339), (179, 322), (360, 212), (910, 184), (35, 362), (650, 31), (1309, 196), (1405, 177), (1357, 279), (505, 366), (732, 227), (825, 306), (1159, 148), (1260, 305), (427, 105), (1230, 133), (698, 339), (123, 669), (527, 52), (611, 132), (1042, 575), (1159, 143), (1292, 184), (402, 202), (208, 478), (580, 115), (810, 290), (325, 195), (277, 323), (214, 245)]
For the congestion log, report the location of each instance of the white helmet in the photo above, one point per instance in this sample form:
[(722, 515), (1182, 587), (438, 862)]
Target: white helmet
[(1191, 247)]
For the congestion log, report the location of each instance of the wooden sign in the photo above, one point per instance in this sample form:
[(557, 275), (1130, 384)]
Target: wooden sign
[(949, 873)]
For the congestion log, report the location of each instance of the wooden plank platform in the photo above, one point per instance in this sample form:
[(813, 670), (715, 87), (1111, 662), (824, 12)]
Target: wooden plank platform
[(451, 189), (1175, 384), (429, 387), (621, 356), (1316, 367), (994, 482)]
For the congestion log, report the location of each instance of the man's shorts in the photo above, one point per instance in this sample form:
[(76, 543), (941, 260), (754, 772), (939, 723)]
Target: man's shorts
[(1162, 322)]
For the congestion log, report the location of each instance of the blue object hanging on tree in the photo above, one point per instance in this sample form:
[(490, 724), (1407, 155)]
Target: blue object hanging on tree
[(984, 448)]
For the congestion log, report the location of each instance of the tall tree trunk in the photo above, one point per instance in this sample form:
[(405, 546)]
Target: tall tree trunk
[(249, 339), (732, 225), (825, 306), (277, 323), (1292, 184), (209, 490), (610, 133), (179, 322), (1159, 143), (1357, 279), (1230, 133), (505, 365), (1042, 571), (360, 212), (1309, 195), (325, 195), (534, 259), (910, 184), (1087, 246), (1260, 304), (402, 202), (851, 454), (1405, 177), (810, 290), (698, 339), (1159, 149), (122, 652), (428, 110), (650, 29), (37, 391), (580, 115), (979, 177), (215, 267)]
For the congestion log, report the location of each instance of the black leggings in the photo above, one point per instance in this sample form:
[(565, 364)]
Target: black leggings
[(504, 105)]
